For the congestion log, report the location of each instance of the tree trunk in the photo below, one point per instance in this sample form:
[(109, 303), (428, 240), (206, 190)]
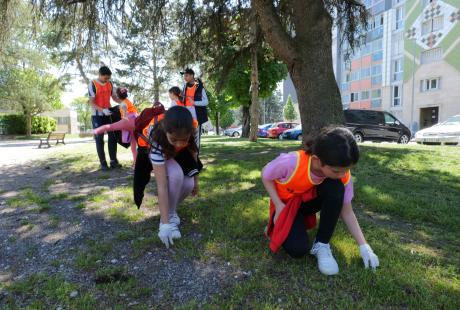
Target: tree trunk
[(28, 125), (255, 105), (217, 124), (319, 98), (246, 118), (308, 57), (156, 86)]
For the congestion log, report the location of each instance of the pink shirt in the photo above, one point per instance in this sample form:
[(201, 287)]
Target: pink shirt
[(282, 167)]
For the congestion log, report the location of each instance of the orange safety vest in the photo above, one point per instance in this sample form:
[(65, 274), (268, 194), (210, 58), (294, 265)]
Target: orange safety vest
[(103, 94), (141, 142), (190, 95), (300, 181), (189, 107), (130, 108)]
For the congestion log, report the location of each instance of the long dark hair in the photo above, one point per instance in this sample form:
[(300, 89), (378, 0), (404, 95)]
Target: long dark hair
[(176, 91), (177, 120), (122, 93), (334, 146)]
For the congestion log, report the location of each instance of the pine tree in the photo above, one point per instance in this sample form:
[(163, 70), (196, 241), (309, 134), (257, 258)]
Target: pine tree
[(289, 111)]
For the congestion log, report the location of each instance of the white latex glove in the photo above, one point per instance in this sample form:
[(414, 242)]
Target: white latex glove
[(106, 112), (166, 234), (174, 220), (369, 257)]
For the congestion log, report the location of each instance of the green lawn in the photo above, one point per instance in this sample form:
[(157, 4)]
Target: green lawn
[(407, 199)]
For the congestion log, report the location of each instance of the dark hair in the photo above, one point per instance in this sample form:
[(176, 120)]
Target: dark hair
[(176, 91), (122, 93), (334, 146), (177, 120), (104, 70)]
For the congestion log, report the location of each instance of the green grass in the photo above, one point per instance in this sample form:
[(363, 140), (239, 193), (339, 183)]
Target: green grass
[(406, 200), (95, 251), (49, 291)]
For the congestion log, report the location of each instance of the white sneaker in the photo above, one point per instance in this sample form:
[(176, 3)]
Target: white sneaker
[(326, 262)]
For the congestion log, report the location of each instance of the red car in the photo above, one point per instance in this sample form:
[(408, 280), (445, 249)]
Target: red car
[(278, 128)]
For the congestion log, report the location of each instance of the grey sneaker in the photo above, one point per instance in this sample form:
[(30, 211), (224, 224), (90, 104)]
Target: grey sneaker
[(326, 262)]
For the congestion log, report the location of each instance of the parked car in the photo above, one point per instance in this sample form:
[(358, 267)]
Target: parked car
[(233, 132), (376, 126), (447, 133), (263, 133), (292, 134), (278, 128)]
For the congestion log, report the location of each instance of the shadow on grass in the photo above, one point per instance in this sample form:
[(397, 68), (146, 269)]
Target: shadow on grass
[(227, 222)]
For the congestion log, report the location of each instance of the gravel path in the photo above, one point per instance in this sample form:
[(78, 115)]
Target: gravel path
[(43, 231)]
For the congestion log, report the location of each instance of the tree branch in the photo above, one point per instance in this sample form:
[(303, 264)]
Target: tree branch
[(274, 31)]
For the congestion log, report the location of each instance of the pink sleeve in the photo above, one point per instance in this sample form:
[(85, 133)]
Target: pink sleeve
[(280, 168), (349, 192)]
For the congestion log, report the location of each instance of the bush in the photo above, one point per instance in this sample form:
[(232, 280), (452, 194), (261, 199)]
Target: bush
[(12, 124), (43, 124)]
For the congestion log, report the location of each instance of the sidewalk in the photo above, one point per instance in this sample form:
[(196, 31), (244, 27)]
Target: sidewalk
[(14, 152)]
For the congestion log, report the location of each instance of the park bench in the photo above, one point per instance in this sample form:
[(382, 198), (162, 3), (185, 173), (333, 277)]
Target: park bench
[(58, 136)]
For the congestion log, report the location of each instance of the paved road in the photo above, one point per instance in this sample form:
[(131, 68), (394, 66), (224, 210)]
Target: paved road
[(14, 152)]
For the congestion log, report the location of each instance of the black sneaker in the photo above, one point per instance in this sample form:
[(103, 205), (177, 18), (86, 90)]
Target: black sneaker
[(115, 164), (104, 167)]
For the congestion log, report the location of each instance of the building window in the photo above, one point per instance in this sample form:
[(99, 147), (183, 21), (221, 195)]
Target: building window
[(432, 25), (399, 20), (365, 72), (376, 72), (397, 69), (396, 96), (397, 44), (432, 55), (354, 97), (62, 120), (355, 75), (430, 84), (376, 93), (345, 86), (426, 2), (365, 95)]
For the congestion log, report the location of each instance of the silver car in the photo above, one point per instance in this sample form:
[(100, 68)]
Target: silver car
[(233, 132), (447, 133)]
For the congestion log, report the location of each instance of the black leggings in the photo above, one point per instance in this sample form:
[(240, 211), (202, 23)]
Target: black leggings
[(329, 201)]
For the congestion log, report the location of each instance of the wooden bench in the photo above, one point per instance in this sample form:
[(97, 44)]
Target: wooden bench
[(58, 136)]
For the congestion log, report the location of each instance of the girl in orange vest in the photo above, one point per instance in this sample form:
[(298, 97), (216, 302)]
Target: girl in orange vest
[(177, 98), (172, 135), (303, 183), (128, 114)]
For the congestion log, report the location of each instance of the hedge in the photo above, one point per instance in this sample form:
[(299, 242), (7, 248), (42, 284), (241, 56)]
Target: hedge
[(12, 124)]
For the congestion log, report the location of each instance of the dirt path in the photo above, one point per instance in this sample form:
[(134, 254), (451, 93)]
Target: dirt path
[(61, 217)]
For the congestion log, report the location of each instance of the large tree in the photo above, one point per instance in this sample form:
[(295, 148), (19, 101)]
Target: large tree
[(29, 92), (300, 33), (83, 110)]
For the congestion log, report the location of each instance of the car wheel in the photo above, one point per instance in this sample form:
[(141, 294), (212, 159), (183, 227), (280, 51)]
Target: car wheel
[(299, 137), (358, 137), (236, 134), (404, 139)]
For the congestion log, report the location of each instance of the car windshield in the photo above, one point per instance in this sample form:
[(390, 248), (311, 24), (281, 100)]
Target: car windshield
[(454, 120), (298, 127)]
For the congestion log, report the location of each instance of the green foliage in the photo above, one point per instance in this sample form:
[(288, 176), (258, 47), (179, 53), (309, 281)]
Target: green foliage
[(29, 91), (83, 109), (271, 71), (227, 119), (272, 109), (289, 111), (14, 124)]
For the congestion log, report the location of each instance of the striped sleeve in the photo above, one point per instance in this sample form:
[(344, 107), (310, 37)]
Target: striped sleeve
[(156, 154)]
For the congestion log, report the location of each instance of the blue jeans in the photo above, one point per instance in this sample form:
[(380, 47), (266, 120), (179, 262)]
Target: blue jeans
[(99, 120)]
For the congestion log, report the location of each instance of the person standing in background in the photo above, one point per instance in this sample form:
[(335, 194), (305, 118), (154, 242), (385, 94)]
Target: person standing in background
[(100, 91)]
